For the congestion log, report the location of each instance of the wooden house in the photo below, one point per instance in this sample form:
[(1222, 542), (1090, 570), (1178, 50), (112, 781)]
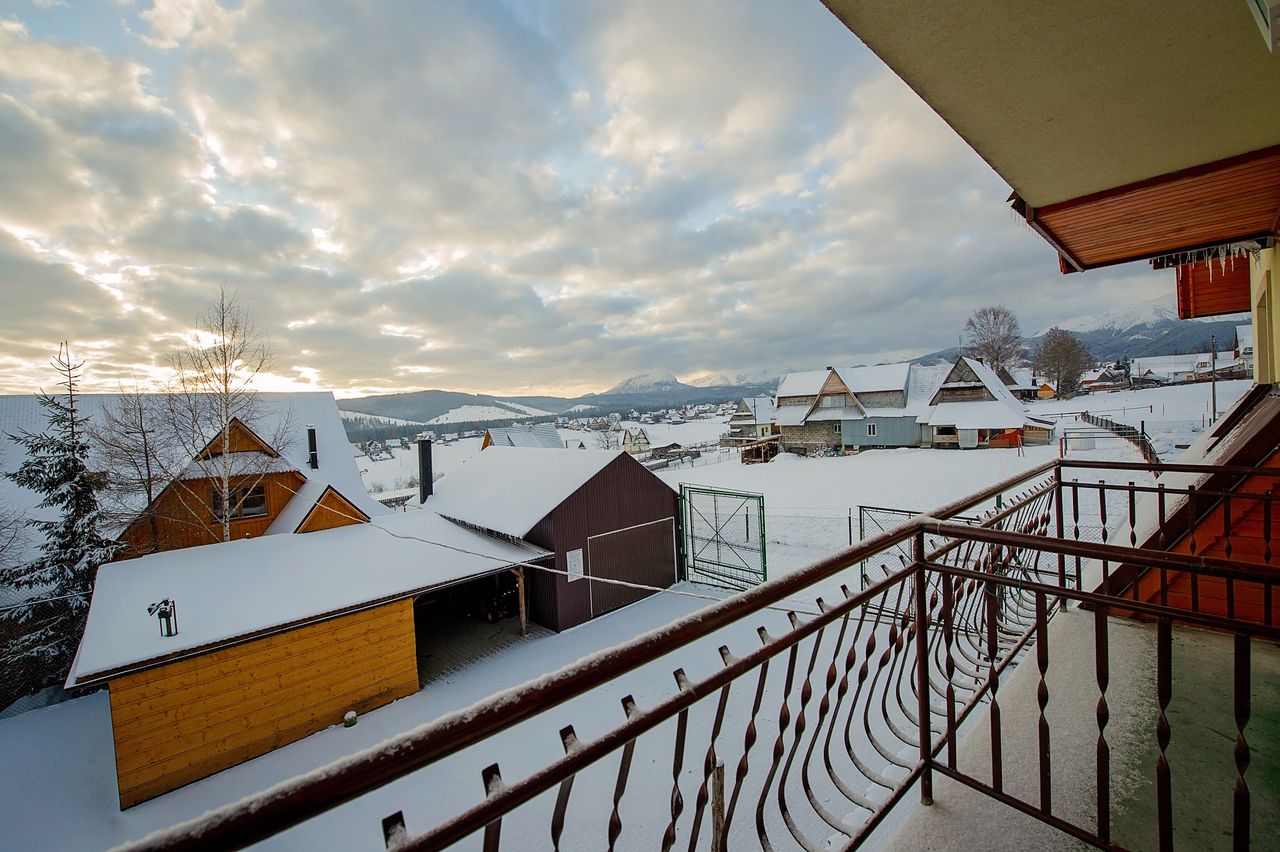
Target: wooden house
[(536, 435), (635, 441), (275, 638), (973, 408), (599, 512), (753, 418)]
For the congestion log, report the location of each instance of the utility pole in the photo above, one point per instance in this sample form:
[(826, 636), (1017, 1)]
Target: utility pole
[(1213, 378)]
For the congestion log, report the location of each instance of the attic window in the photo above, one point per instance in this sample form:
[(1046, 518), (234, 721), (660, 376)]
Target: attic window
[(249, 502), (838, 400)]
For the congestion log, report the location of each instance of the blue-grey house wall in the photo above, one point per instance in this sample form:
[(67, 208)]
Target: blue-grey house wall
[(890, 432)]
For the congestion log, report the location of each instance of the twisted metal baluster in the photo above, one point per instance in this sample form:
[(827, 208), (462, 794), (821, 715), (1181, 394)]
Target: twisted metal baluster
[(779, 744), (1243, 708), (709, 763), (624, 770), (570, 742), (677, 763), (1164, 688)]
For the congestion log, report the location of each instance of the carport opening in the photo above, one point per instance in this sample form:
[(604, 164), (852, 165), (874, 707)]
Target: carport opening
[(461, 624)]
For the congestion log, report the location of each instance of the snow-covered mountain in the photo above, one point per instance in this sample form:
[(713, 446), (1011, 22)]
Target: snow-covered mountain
[(655, 382), (1149, 314), (713, 380)]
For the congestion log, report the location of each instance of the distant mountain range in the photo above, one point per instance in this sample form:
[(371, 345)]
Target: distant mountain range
[(1142, 330)]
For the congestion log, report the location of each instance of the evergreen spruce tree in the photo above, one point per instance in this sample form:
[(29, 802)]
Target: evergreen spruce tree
[(61, 577)]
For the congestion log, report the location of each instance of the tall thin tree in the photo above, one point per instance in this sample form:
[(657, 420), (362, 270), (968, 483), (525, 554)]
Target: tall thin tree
[(214, 377), (134, 441), (56, 466)]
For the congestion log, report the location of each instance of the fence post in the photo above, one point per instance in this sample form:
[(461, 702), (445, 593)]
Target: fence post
[(851, 526), (717, 807), (922, 670), (1057, 517)]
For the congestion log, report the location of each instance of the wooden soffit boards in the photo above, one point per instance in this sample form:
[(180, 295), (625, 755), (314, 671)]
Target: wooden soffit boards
[(1211, 288), (1227, 201)]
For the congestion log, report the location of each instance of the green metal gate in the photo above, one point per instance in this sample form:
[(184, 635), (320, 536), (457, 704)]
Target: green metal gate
[(724, 536)]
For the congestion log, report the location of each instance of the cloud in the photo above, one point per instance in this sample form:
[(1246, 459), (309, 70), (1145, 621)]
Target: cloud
[(495, 196)]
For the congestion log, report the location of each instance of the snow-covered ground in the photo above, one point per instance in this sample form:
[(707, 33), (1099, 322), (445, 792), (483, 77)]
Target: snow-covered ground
[(1173, 416), (57, 767), (474, 413)]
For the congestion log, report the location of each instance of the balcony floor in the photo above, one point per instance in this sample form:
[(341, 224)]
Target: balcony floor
[(1200, 753)]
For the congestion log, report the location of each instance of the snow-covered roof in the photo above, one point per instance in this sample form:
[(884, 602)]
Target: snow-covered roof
[(1022, 378), (882, 377), (790, 415), (986, 414), (1173, 365), (337, 465), (537, 435), (248, 463), (922, 383), (759, 409), (229, 592), (509, 489), (803, 384)]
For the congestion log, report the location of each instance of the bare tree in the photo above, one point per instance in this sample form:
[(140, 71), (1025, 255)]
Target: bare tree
[(214, 374), (607, 440), (994, 336), (134, 442), (1062, 358)]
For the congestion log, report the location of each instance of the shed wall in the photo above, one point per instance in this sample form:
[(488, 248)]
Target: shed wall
[(189, 719), (890, 432), (620, 496)]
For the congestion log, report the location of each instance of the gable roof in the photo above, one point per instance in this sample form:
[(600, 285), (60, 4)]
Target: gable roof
[(331, 503), (509, 489), (758, 408), (882, 377), (337, 466), (537, 435), (234, 591), (803, 384)]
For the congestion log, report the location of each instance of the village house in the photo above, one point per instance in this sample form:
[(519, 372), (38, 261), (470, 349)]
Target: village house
[(753, 418), (973, 408), (635, 441), (534, 435)]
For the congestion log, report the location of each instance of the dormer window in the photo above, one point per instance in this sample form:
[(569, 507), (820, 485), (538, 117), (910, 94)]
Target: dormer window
[(835, 400), (246, 502)]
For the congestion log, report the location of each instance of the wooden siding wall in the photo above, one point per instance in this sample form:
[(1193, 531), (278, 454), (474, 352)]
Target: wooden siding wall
[(184, 514), (189, 719), (331, 510), (1210, 289), (620, 496), (890, 432)]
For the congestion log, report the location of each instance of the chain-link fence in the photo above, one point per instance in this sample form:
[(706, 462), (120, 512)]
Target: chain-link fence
[(25, 683)]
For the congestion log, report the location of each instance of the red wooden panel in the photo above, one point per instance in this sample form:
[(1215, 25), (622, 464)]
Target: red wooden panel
[(1211, 288)]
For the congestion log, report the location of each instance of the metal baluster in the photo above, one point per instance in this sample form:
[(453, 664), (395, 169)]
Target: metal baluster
[(677, 763), (1164, 688), (948, 608), (1075, 520), (1102, 507), (1102, 666), (1243, 708), (779, 744), (748, 740), (1164, 572), (1042, 698), (922, 672), (709, 761), (624, 770), (1133, 517), (492, 778), (570, 741), (997, 762), (1058, 529)]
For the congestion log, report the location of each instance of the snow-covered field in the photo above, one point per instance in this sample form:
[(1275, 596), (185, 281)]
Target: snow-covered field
[(1172, 416), (57, 767)]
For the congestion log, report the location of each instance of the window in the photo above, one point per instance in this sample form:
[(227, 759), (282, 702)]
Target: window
[(573, 564), (247, 502), (838, 400), (871, 430), (945, 430)]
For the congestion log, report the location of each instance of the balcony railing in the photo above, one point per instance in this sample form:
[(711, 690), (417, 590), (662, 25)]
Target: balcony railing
[(835, 717)]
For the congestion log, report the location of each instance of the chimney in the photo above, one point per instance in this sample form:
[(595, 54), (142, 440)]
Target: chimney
[(313, 457), (424, 466)]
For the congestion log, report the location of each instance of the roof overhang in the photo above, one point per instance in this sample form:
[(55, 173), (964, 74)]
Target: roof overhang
[(1128, 131)]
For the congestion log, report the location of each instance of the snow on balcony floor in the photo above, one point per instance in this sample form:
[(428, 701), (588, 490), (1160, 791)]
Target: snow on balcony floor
[(1200, 754)]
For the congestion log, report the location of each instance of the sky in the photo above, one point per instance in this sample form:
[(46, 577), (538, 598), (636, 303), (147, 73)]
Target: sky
[(494, 197)]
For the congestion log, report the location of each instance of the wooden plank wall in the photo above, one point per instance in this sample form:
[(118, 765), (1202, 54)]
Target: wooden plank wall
[(185, 515), (1209, 289), (187, 720), (331, 510)]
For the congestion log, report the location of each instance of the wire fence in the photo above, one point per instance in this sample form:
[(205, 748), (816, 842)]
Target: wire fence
[(25, 684)]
